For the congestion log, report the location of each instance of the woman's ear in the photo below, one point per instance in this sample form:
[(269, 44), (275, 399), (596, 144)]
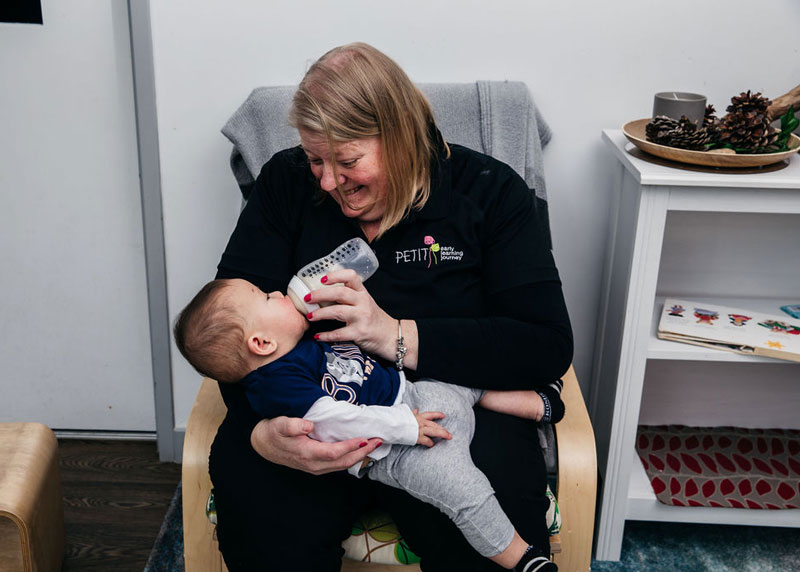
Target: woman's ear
[(261, 346)]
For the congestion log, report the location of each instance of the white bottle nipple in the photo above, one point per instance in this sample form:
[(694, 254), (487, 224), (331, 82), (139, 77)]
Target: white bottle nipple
[(296, 291)]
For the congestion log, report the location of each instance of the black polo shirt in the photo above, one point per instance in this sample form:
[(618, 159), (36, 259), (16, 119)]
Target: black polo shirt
[(472, 267)]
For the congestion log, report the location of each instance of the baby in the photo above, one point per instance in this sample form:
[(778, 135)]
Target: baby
[(235, 333)]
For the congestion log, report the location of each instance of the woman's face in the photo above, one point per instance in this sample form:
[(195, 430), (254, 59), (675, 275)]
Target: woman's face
[(360, 172)]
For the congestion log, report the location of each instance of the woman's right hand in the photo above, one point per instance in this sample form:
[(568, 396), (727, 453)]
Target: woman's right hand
[(285, 441), (366, 324)]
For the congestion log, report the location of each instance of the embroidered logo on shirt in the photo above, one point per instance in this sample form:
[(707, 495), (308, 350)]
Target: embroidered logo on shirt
[(433, 246), (428, 253)]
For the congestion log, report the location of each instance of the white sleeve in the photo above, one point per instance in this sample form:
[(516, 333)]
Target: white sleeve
[(338, 421)]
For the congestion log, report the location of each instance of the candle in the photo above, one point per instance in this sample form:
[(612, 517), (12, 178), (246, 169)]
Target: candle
[(674, 104)]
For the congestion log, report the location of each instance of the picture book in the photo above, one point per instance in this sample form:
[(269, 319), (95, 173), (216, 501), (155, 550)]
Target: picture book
[(730, 329)]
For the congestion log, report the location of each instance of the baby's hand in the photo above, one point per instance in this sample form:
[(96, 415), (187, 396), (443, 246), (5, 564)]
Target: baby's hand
[(429, 429)]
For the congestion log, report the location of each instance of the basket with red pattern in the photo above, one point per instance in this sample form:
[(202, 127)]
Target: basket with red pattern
[(722, 466)]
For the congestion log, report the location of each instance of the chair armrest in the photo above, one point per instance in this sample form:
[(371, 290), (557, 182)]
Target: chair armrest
[(577, 479), (199, 541)]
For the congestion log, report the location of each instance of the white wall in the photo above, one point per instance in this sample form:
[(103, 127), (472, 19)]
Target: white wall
[(75, 351), (589, 65)]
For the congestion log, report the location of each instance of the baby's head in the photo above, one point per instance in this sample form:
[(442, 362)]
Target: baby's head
[(231, 328)]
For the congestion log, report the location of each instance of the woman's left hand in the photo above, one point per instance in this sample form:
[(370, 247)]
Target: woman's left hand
[(366, 324)]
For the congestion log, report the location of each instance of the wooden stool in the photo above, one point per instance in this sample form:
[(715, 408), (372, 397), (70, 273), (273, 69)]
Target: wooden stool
[(31, 507)]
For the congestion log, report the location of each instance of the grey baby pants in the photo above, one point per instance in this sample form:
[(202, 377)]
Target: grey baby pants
[(444, 475)]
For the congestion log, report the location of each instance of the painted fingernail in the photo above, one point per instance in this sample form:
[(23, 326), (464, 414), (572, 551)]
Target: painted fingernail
[(380, 443), (310, 315), (324, 279), (307, 297), (362, 444), (316, 336)]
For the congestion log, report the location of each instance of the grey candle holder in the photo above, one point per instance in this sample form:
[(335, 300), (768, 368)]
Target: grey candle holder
[(675, 104)]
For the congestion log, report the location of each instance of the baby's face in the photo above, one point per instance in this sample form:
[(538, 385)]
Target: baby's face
[(273, 313)]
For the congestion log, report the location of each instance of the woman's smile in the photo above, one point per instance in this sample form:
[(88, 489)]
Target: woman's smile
[(353, 174)]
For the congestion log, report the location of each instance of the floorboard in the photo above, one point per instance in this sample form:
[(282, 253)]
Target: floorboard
[(116, 494)]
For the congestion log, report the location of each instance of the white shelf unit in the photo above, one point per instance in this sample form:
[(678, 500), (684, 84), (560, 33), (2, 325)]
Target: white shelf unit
[(648, 193)]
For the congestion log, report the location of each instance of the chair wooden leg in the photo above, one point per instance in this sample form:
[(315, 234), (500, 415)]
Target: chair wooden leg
[(201, 551), (577, 480)]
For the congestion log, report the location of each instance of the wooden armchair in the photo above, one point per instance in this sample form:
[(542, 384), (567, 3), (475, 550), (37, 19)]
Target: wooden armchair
[(497, 118), (576, 489)]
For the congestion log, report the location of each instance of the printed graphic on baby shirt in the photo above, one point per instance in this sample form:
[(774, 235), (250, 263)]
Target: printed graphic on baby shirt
[(352, 376), (432, 253), (345, 369)]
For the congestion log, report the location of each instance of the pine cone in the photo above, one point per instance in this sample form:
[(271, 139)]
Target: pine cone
[(710, 120), (682, 133), (709, 115), (745, 102), (747, 127)]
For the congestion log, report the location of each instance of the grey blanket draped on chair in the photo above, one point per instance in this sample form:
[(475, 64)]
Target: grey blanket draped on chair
[(505, 113)]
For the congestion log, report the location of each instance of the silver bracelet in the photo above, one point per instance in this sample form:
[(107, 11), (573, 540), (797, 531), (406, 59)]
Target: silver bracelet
[(401, 348)]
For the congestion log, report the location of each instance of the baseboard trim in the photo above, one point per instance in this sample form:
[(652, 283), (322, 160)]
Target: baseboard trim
[(178, 433), (97, 435)]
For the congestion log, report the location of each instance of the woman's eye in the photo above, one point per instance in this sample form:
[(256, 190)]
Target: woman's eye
[(349, 164)]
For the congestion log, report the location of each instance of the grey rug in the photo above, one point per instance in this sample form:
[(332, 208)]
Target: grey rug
[(167, 553), (668, 546), (646, 546)]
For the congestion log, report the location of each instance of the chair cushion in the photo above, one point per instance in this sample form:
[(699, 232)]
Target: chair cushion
[(375, 537)]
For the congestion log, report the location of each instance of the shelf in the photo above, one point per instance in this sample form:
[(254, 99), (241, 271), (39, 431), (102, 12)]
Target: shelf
[(643, 505), (669, 350), (649, 170), (657, 209)]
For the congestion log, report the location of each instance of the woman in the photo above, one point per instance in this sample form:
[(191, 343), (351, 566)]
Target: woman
[(467, 292)]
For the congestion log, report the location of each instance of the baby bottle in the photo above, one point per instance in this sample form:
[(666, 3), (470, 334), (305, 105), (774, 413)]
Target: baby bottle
[(354, 254)]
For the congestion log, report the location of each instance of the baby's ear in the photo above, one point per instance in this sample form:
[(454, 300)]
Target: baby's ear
[(261, 346)]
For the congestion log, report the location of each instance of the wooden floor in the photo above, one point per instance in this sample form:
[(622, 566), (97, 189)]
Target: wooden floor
[(116, 494)]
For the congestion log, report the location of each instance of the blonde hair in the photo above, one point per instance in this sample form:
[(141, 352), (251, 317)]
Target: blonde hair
[(356, 91), (210, 333)]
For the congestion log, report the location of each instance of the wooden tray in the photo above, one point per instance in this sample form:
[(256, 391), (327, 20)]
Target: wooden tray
[(634, 131)]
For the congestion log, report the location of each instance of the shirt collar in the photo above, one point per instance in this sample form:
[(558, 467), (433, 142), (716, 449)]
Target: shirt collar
[(438, 203)]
